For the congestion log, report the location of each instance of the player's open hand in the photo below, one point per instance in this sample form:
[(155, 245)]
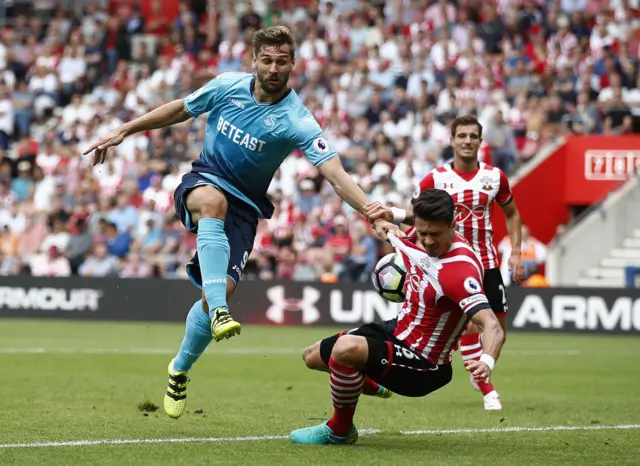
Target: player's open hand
[(110, 140), (478, 369), (375, 211), (384, 228), (517, 267)]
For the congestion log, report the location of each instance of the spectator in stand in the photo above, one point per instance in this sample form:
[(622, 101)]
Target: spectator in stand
[(500, 137), (50, 264), (308, 200), (362, 258), (6, 117), (59, 237), (135, 267), (118, 243), (338, 243), (8, 242), (100, 263), (79, 245)]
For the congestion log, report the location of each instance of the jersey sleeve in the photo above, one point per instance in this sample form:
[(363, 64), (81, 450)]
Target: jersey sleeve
[(310, 139), (462, 284), (202, 100), (425, 183), (504, 195)]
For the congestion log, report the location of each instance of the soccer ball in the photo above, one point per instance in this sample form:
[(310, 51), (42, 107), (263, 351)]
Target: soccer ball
[(388, 277)]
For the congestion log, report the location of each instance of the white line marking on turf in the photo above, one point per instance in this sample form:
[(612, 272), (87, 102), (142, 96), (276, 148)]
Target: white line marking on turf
[(517, 429), (248, 351), (256, 438)]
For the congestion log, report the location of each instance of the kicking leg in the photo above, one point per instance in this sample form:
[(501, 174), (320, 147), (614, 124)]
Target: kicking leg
[(348, 357), (196, 339), (208, 209), (313, 359)]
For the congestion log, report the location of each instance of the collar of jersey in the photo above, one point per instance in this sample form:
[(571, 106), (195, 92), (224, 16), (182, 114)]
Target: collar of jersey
[(253, 96), (464, 175)]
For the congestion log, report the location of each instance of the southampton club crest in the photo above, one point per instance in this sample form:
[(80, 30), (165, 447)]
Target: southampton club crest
[(486, 183)]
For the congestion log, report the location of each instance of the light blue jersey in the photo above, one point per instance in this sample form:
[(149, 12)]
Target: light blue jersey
[(246, 141)]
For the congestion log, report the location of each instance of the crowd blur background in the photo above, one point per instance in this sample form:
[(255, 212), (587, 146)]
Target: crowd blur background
[(383, 78)]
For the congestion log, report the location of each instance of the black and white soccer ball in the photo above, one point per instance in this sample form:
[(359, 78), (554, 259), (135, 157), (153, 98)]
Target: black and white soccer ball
[(388, 277)]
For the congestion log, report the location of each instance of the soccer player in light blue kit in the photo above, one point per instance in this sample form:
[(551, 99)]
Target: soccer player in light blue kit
[(254, 122)]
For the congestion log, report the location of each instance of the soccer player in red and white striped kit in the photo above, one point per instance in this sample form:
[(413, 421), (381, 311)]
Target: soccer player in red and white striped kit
[(474, 186), (411, 354)]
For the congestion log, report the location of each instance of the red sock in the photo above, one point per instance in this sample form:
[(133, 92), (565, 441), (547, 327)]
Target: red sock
[(471, 349), (370, 387), (346, 385)]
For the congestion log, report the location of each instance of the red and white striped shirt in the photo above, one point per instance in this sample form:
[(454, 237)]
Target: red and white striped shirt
[(473, 195), (441, 295)]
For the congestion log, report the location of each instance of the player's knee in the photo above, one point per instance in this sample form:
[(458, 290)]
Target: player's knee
[(350, 349), (207, 202), (312, 358)]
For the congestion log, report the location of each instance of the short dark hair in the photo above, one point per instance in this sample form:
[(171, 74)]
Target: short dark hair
[(434, 205), (273, 36), (465, 120)]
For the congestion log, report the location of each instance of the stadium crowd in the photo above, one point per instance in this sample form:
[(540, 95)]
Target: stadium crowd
[(383, 78)]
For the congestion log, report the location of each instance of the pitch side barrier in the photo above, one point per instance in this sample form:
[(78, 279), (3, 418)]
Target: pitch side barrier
[(579, 310)]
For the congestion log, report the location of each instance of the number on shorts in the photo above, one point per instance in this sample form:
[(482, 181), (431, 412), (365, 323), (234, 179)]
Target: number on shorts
[(400, 351), (245, 257), (504, 297)]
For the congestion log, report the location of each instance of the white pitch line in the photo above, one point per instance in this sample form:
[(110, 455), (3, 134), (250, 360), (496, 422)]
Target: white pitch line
[(518, 429), (260, 351), (257, 438)]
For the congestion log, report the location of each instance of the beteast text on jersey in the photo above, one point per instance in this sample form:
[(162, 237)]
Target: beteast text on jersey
[(234, 134)]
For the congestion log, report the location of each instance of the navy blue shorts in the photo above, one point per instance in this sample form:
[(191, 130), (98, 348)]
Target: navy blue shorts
[(239, 225)]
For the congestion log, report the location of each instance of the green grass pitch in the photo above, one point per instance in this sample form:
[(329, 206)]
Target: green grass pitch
[(68, 381)]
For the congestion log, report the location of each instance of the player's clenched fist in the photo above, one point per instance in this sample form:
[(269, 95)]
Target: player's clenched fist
[(110, 140), (375, 210), (478, 369), (384, 228)]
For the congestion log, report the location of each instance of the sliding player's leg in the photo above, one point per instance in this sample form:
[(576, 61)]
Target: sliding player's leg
[(313, 360), (369, 350), (348, 357)]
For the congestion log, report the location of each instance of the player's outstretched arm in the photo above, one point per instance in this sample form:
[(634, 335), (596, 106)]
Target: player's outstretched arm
[(350, 192), (492, 340), (163, 116), (343, 184)]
